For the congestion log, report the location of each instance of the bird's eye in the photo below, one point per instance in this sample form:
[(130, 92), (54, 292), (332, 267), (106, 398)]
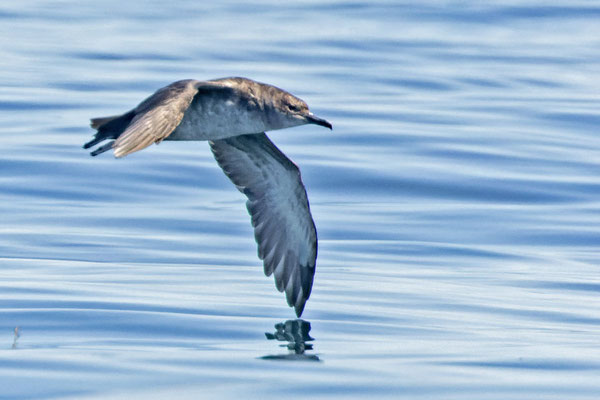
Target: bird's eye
[(293, 107)]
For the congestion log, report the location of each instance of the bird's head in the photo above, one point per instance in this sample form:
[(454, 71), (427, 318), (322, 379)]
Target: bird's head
[(278, 109), (295, 111)]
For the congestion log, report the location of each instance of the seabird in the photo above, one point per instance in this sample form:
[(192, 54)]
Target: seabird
[(233, 114)]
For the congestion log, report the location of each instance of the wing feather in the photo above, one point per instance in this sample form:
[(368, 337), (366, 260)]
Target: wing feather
[(156, 117), (279, 209)]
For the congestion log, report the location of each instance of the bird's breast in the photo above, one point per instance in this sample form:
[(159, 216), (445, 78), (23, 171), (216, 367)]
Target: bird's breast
[(214, 118)]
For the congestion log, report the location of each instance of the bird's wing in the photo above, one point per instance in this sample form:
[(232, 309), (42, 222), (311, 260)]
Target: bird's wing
[(156, 117), (277, 203)]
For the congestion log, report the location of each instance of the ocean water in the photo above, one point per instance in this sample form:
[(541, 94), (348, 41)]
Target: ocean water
[(456, 200)]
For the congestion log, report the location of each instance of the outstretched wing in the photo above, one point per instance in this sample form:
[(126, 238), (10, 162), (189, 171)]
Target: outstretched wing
[(156, 117), (277, 203)]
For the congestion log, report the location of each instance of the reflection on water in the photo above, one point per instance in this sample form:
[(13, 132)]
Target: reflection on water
[(16, 337), (295, 333)]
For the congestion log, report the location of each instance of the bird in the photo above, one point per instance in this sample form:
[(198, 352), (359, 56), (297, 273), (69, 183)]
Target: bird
[(233, 114)]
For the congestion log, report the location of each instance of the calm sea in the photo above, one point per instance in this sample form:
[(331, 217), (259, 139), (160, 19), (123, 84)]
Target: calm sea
[(457, 202)]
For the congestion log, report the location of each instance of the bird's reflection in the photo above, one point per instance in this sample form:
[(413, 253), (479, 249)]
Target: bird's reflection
[(295, 333)]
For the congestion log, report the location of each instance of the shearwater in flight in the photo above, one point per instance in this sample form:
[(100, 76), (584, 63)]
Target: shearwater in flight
[(233, 114)]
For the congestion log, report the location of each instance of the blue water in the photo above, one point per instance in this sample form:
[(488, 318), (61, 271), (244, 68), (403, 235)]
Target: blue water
[(456, 200)]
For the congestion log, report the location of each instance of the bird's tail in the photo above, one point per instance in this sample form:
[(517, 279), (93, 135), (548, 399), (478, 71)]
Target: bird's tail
[(108, 128)]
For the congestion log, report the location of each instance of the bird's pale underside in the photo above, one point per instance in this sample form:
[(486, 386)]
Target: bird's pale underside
[(233, 114)]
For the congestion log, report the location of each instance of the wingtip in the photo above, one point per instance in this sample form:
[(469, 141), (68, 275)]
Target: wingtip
[(299, 309), (299, 306)]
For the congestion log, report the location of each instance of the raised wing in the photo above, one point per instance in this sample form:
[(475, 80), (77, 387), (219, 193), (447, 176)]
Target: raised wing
[(277, 203), (156, 117)]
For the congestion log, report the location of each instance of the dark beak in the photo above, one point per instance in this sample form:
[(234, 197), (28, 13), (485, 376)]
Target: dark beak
[(311, 119)]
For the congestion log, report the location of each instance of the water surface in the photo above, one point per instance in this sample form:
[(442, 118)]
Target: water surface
[(456, 202)]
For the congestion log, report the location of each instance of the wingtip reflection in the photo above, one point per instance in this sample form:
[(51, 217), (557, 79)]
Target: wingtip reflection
[(296, 333)]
